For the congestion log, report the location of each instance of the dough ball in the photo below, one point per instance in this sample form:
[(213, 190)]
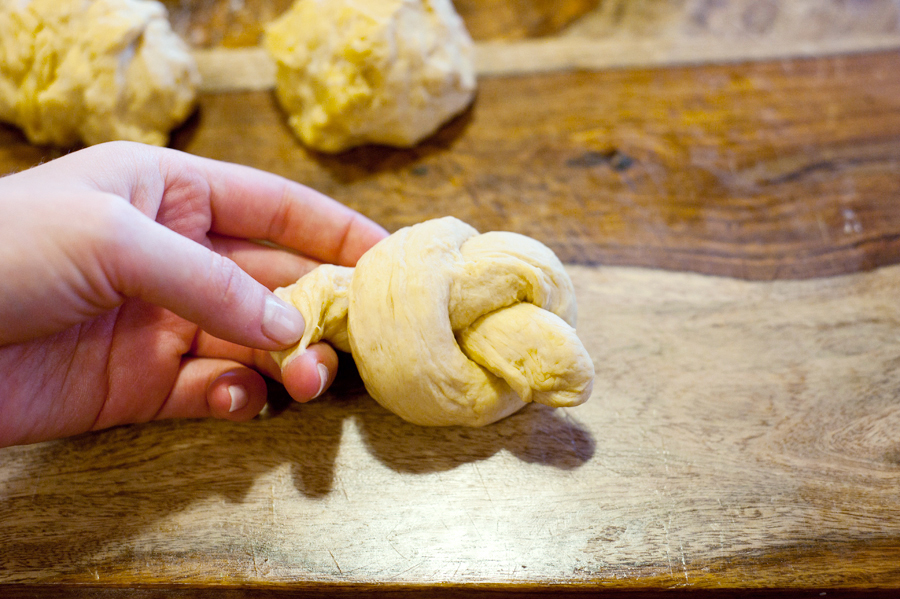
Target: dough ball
[(449, 327), (93, 71), (352, 72)]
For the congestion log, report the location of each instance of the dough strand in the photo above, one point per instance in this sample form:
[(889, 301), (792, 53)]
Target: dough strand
[(449, 327)]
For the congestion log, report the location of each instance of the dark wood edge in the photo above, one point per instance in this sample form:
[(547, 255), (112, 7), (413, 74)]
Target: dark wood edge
[(439, 591)]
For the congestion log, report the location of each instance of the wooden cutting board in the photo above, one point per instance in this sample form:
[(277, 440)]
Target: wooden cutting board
[(744, 431), (740, 434)]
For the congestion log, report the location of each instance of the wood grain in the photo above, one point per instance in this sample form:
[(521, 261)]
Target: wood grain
[(769, 170), (742, 439), (783, 169), (740, 435)]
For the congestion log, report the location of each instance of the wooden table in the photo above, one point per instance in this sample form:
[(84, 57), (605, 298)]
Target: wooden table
[(731, 228)]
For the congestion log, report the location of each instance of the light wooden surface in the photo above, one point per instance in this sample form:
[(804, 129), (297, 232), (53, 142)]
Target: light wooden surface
[(740, 433), (743, 436)]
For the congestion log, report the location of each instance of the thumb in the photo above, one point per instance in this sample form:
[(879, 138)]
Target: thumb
[(154, 263)]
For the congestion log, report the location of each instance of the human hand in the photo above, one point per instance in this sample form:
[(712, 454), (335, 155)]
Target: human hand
[(131, 290)]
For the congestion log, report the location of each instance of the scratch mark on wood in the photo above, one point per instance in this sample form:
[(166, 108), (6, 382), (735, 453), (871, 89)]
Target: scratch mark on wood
[(253, 555), (474, 526), (337, 565), (484, 484), (414, 566), (394, 547), (668, 554)]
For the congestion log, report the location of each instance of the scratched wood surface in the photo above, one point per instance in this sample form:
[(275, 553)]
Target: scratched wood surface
[(741, 434), (744, 433)]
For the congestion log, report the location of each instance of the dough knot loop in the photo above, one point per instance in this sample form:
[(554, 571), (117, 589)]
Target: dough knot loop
[(449, 327)]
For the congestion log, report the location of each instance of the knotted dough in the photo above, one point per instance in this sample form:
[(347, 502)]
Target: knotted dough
[(449, 327)]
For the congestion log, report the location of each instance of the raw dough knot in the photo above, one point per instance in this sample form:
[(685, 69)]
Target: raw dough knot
[(449, 327)]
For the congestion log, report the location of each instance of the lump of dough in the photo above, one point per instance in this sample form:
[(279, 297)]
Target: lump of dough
[(352, 72), (93, 71), (449, 327)]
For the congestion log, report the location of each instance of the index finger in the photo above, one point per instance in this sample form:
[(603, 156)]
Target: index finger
[(253, 204)]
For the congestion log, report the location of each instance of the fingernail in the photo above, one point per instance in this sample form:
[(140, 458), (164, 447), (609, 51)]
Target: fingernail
[(323, 378), (282, 322), (239, 397)]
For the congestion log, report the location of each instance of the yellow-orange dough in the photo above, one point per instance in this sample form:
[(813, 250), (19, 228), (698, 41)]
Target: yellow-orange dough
[(449, 327)]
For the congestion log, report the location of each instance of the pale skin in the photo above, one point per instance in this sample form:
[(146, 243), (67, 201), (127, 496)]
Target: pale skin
[(131, 289)]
